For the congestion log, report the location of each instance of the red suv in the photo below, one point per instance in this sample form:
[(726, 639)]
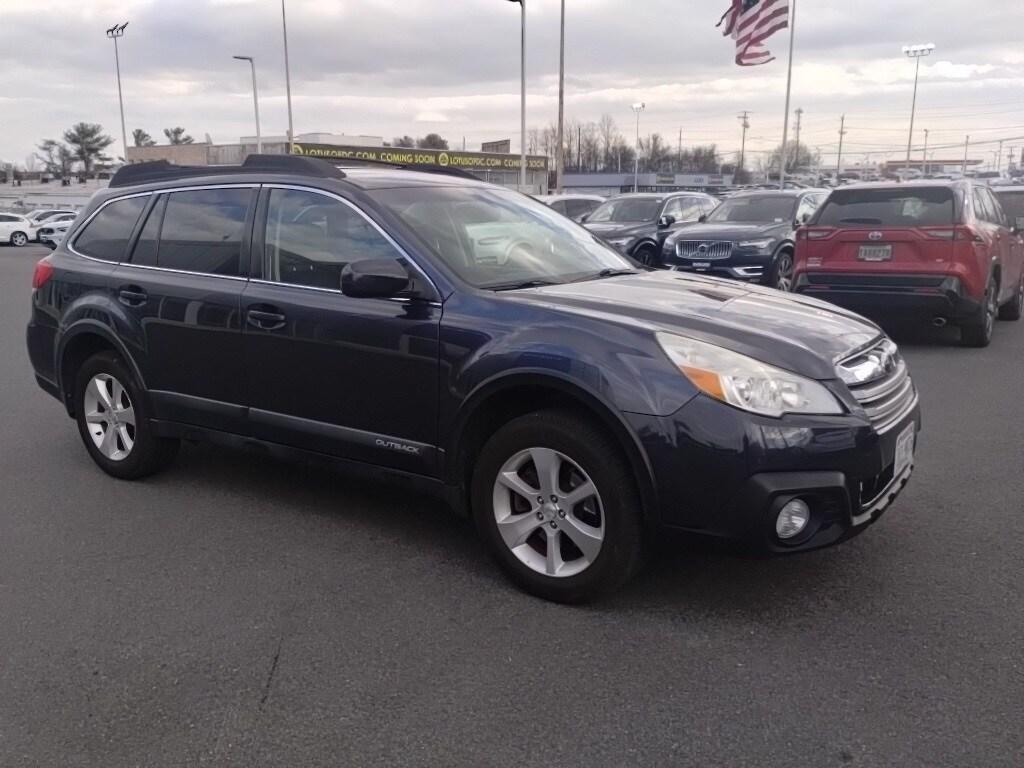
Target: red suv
[(944, 250)]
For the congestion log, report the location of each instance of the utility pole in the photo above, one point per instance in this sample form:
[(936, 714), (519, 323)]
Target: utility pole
[(560, 149), (743, 142), (680, 149), (287, 81), (999, 158), (799, 120), (579, 148), (967, 144), (924, 158), (839, 159)]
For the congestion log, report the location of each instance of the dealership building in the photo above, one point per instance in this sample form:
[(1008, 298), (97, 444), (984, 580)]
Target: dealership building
[(496, 167)]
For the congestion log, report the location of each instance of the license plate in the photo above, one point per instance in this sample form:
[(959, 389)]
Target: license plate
[(904, 450), (702, 265), (875, 253)]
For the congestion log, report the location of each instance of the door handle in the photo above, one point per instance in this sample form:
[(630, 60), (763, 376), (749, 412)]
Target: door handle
[(132, 296), (267, 321)]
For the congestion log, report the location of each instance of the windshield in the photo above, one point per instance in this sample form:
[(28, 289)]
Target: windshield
[(766, 209), (627, 209), (494, 238), (1013, 204), (895, 207)]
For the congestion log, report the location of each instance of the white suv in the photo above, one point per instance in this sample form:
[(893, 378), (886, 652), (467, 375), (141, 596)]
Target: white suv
[(16, 230)]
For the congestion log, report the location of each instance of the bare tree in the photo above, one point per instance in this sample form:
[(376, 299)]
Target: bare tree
[(31, 163), (609, 133)]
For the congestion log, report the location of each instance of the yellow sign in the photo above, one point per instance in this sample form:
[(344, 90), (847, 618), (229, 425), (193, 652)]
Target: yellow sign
[(471, 161)]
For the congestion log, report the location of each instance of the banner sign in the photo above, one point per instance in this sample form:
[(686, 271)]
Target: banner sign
[(442, 158)]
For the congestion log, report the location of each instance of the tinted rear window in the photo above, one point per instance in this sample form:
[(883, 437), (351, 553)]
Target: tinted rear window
[(106, 236), (897, 207), (1013, 204), (202, 231)]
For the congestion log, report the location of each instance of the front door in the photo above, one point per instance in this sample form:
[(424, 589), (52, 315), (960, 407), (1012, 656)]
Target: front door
[(352, 377), (182, 284)]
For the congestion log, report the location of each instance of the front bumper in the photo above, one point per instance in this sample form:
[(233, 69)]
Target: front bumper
[(875, 295), (741, 265), (725, 473)]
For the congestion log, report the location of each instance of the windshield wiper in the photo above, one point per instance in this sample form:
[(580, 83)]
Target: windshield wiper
[(536, 283), (605, 273)]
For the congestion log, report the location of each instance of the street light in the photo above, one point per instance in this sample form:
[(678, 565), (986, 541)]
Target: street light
[(638, 108), (916, 52), (560, 151), (522, 97), (255, 101), (115, 32), (287, 80)]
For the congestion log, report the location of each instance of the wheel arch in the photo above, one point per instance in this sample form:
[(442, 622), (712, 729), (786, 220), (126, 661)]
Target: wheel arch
[(500, 399), (80, 342)]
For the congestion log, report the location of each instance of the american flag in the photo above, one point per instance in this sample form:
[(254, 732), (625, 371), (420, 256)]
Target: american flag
[(750, 23)]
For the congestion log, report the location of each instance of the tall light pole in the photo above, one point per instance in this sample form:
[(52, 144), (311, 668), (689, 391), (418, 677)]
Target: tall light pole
[(560, 151), (967, 145), (916, 52), (638, 108), (522, 97), (745, 122), (287, 80), (115, 32), (924, 158), (255, 101)]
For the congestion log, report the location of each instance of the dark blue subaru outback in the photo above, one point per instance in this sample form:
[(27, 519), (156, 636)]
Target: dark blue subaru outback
[(465, 340)]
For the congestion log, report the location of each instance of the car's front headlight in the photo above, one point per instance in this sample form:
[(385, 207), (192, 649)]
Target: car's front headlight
[(758, 245), (745, 382)]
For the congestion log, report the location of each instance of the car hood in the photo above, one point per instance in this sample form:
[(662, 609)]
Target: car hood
[(796, 333), (732, 232), (609, 229)]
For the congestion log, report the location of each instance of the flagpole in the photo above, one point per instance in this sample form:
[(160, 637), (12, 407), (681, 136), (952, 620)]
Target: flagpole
[(789, 88)]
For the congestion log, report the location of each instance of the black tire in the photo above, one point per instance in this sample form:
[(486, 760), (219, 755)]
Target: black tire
[(19, 239), (782, 272), (149, 453), (647, 255), (1014, 308), (592, 451), (978, 331)]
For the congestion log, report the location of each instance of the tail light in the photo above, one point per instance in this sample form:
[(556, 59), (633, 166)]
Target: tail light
[(42, 274), (815, 234), (953, 233)]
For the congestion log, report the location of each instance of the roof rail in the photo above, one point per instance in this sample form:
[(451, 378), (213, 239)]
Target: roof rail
[(161, 170), (440, 170)]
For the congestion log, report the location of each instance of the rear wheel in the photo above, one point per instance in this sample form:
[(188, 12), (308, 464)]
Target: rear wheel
[(19, 239), (978, 332), (556, 504), (113, 420), (1014, 308)]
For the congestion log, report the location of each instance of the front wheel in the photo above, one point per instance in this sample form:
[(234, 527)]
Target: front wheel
[(782, 272), (646, 255), (1015, 307), (112, 417), (556, 503), (19, 239)]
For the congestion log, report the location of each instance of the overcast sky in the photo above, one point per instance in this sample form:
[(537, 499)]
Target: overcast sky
[(393, 67)]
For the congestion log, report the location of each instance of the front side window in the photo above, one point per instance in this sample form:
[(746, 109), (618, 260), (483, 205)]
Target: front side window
[(761, 209), (106, 236), (494, 238), (888, 207), (202, 231), (1013, 204), (311, 237), (627, 209)]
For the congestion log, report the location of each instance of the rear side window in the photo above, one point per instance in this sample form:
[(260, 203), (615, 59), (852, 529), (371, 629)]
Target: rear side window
[(1013, 204), (106, 236), (560, 206), (897, 207), (202, 231)]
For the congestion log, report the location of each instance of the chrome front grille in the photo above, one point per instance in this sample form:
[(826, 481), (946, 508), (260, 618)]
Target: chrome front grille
[(887, 392), (703, 249)]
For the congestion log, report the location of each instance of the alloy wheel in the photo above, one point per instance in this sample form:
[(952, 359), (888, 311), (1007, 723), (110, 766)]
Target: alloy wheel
[(110, 417), (19, 239), (784, 273), (991, 308), (549, 512)]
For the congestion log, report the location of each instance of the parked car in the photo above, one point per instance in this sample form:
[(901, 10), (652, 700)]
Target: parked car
[(637, 224), (943, 250), (16, 230), (576, 206), (53, 230), (464, 340), (42, 217), (750, 237)]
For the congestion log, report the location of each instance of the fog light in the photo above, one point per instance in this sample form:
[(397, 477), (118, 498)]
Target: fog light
[(792, 519)]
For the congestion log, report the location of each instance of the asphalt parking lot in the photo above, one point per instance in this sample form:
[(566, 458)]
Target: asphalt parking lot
[(239, 611)]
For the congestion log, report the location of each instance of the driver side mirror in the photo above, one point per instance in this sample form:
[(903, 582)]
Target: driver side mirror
[(374, 279), (703, 218), (666, 221), (802, 219)]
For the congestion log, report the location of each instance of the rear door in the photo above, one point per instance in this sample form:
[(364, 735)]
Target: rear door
[(898, 230), (1007, 246), (182, 287)]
